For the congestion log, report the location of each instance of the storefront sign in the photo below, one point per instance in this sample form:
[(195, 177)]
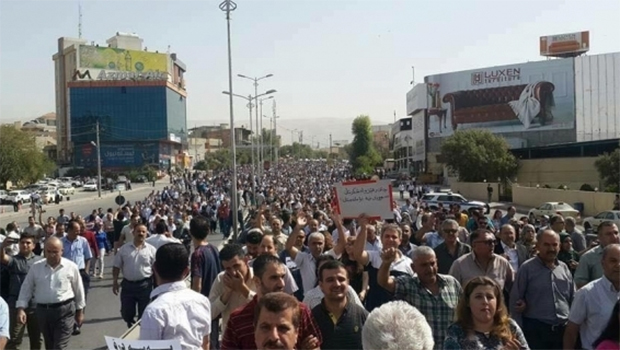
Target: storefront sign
[(114, 75)]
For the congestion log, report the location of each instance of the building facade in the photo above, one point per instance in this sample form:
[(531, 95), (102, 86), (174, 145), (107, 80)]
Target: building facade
[(137, 98), (533, 105)]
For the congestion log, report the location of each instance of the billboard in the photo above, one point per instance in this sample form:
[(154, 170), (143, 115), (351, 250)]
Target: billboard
[(569, 44), (118, 155), (111, 59), (509, 100), (597, 100)]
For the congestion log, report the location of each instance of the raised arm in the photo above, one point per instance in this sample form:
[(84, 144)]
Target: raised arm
[(342, 239), (384, 279), (290, 242), (359, 253)]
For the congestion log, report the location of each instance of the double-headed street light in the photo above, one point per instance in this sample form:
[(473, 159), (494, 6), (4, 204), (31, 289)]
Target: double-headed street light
[(256, 96), (250, 106), (228, 6)]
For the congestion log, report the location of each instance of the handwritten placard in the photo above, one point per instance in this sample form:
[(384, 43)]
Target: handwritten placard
[(370, 197), (126, 344)]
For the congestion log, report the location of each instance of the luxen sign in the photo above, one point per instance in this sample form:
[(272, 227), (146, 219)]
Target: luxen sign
[(116, 75), (495, 76)]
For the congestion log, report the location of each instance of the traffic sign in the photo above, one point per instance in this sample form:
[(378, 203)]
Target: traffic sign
[(120, 200)]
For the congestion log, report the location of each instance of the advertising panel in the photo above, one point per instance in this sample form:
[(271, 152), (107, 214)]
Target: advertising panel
[(416, 99), (108, 58), (565, 44), (106, 63), (527, 97), (118, 155), (597, 100)]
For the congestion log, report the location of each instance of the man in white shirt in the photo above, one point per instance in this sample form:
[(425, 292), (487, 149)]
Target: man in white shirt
[(135, 260), (594, 302), (4, 323), (57, 288), (233, 287), (162, 236), (176, 311)]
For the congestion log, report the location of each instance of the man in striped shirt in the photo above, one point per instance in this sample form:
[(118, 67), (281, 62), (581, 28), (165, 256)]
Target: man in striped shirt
[(269, 273)]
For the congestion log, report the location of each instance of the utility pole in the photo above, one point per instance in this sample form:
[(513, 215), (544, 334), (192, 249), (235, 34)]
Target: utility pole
[(330, 145), (195, 145), (274, 136), (98, 160)]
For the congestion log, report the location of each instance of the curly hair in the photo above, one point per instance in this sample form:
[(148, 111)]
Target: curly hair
[(501, 321)]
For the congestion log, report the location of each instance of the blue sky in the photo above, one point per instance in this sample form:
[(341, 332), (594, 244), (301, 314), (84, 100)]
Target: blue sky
[(331, 60)]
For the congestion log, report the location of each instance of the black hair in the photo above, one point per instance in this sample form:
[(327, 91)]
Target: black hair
[(230, 251), (161, 227), (171, 260), (477, 233), (254, 237), (260, 264), (11, 227), (612, 331), (199, 227), (331, 265), (28, 235)]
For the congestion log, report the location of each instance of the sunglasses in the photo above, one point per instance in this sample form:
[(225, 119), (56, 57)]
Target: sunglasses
[(489, 242)]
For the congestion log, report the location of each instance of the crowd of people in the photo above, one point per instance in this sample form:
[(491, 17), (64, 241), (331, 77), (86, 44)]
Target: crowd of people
[(299, 276)]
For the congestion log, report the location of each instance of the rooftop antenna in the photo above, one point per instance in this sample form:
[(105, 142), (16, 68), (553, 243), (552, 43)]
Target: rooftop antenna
[(168, 49), (79, 20), (412, 75)]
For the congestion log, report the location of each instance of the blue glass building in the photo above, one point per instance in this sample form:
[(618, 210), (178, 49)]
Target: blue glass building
[(141, 122)]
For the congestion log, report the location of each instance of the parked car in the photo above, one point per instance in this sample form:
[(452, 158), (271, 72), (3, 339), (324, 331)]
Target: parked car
[(16, 196), (432, 201), (552, 208), (48, 196), (3, 195), (141, 179), (66, 189), (90, 186), (592, 222)]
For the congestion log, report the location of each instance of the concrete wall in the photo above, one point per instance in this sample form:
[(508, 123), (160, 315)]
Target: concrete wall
[(594, 202), (475, 190), (571, 172)]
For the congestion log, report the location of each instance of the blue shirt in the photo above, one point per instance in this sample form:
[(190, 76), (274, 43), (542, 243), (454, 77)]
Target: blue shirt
[(102, 240), (4, 319), (77, 251)]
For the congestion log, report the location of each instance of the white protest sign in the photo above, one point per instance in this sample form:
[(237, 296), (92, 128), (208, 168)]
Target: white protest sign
[(370, 197), (125, 344)]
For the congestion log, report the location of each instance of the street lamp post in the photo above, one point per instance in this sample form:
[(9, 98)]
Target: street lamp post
[(228, 6), (260, 133), (249, 100), (98, 145), (256, 96)]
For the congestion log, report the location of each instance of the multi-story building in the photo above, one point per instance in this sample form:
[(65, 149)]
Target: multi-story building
[(136, 96), (220, 134)]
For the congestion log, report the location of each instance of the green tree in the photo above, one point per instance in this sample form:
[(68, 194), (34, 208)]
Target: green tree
[(477, 155), (362, 154), (20, 158), (608, 166)]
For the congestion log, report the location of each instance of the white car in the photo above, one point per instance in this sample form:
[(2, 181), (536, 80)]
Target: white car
[(592, 222), (552, 208), (432, 200), (66, 189), (18, 196), (90, 186)]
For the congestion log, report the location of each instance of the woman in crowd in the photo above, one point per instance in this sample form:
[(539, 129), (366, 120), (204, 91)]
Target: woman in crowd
[(528, 239), (482, 320), (610, 338)]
